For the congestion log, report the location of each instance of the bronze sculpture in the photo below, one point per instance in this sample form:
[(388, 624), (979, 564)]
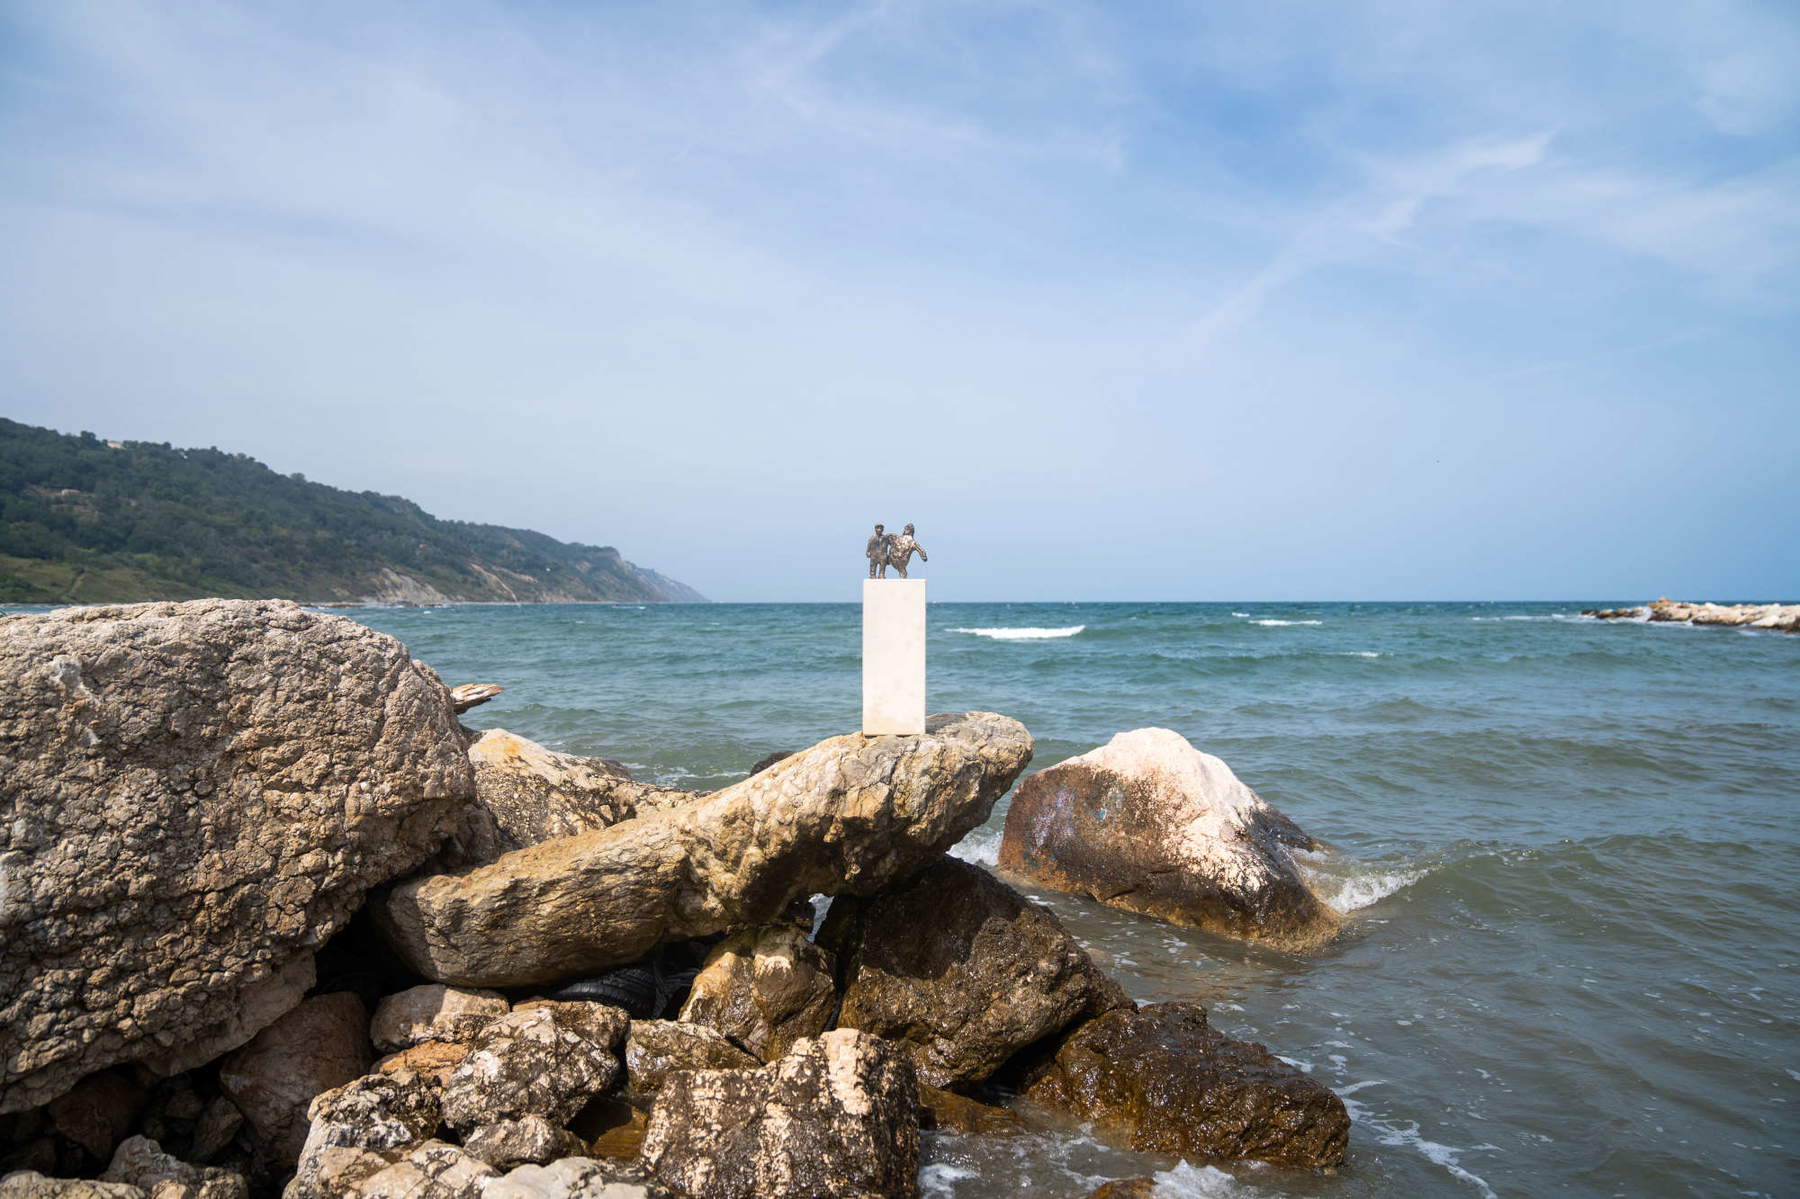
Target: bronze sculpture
[(892, 549)]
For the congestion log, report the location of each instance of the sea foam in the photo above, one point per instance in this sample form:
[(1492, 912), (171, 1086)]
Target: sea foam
[(1275, 623), (1027, 634)]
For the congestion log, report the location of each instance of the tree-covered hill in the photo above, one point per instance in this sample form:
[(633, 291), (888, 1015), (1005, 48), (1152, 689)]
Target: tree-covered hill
[(84, 520)]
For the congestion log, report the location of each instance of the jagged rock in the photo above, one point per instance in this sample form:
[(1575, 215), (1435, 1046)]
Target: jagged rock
[(851, 814), (837, 1118), (529, 1139), (950, 1112), (197, 796), (432, 1170), (29, 1184), (547, 1060), (1164, 1081), (321, 1044), (961, 970), (578, 1178), (99, 1110), (433, 1012), (1782, 617), (355, 1123), (655, 1048), (464, 696), (216, 1128), (765, 989), (1125, 1188), (768, 760), (435, 1060), (1150, 824), (140, 1162)]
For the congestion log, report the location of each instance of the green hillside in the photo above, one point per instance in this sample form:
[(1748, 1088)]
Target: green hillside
[(84, 520)]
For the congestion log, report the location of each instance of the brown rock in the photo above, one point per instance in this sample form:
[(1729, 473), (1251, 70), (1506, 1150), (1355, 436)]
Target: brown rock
[(98, 1112), (764, 989), (837, 1118), (950, 1112), (613, 1128), (1150, 824), (140, 1162), (216, 1128), (961, 970), (472, 695), (197, 796), (321, 1044), (544, 1061), (433, 1012), (656, 1048), (434, 1060), (1125, 1188), (1164, 1081), (849, 815), (529, 1139)]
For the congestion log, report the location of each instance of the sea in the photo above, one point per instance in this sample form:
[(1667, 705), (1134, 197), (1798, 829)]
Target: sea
[(1568, 851)]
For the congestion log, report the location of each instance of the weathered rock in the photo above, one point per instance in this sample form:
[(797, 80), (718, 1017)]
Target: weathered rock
[(768, 760), (656, 1048), (764, 989), (355, 1124), (1150, 824), (961, 970), (29, 1184), (837, 1118), (529, 1139), (99, 1110), (950, 1112), (321, 1044), (140, 1162), (433, 1012), (216, 1128), (432, 1170), (545, 1061), (464, 696), (196, 796), (1125, 1188), (535, 794), (578, 1178), (1164, 1081), (1782, 617), (435, 1060), (851, 814)]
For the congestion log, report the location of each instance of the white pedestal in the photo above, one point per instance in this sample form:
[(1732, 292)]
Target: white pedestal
[(893, 656)]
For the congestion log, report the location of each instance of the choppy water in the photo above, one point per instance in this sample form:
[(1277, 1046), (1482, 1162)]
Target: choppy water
[(1570, 847)]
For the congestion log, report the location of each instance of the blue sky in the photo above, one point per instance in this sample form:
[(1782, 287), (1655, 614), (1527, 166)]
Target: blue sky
[(1114, 301)]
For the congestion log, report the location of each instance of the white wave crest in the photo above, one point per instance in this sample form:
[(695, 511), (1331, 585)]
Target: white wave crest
[(1187, 1181), (1356, 653), (981, 846), (1347, 886), (1274, 623), (1241, 615), (1022, 634)]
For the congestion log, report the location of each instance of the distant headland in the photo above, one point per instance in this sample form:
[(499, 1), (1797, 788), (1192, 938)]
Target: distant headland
[(85, 520)]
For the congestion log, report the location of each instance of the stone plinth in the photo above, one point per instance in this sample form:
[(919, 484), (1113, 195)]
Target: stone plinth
[(893, 656)]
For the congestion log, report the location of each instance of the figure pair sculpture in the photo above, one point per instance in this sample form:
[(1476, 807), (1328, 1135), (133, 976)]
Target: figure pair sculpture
[(892, 549)]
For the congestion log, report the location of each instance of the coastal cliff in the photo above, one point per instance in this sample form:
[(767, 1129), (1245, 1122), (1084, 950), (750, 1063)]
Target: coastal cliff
[(83, 520)]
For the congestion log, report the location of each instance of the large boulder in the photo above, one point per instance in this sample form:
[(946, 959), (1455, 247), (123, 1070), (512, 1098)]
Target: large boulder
[(765, 988), (322, 1044), (1150, 824), (195, 797), (851, 814), (961, 970), (1162, 1080), (837, 1118)]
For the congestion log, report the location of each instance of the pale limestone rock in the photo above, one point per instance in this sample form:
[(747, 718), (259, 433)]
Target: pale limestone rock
[(197, 796), (433, 1012), (656, 1048), (29, 1184), (540, 1061), (1150, 824), (765, 989), (837, 1118), (527, 1140), (322, 1044), (578, 1178), (372, 1114), (140, 1162), (851, 814), (432, 1170)]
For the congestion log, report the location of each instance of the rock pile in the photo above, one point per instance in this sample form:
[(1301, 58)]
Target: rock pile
[(1784, 618), (200, 796)]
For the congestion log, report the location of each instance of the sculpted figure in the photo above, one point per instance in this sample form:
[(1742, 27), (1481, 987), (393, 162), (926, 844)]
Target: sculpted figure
[(902, 547), (877, 553)]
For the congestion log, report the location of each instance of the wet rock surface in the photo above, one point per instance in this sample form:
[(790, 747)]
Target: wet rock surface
[(197, 796), (764, 989), (837, 1118), (961, 970), (1150, 824), (654, 1049), (1163, 1080), (849, 815)]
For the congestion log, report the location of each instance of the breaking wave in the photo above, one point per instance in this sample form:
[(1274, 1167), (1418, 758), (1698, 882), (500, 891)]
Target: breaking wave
[(1275, 623), (1027, 634)]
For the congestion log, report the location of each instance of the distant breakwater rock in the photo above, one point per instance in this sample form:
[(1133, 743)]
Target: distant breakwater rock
[(1783, 618), (1150, 824), (214, 809)]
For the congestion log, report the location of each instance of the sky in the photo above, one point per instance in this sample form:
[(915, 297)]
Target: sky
[(1460, 300)]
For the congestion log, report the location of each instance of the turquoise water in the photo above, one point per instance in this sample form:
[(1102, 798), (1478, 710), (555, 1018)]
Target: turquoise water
[(1569, 849)]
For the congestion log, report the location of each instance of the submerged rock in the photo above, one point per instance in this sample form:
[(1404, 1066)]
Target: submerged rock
[(764, 988), (1150, 824), (851, 814), (960, 970), (1164, 1081), (837, 1118), (197, 796), (949, 1112)]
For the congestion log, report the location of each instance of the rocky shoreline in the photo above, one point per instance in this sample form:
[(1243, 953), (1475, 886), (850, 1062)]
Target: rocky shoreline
[(273, 922), (1783, 618)]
